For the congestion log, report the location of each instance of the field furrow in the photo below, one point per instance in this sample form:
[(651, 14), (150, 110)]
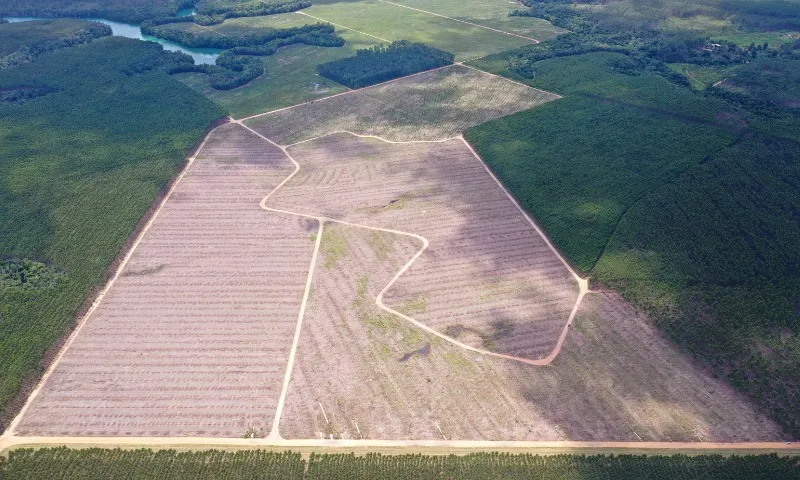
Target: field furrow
[(433, 105), (193, 336)]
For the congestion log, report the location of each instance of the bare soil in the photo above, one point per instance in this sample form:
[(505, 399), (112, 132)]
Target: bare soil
[(433, 105), (193, 336), (487, 278)]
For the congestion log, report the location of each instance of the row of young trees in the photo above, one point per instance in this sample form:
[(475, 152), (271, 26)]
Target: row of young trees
[(381, 63), (58, 463)]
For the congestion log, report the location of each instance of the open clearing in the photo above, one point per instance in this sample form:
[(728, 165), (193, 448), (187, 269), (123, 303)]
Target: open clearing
[(192, 337), (486, 278), (423, 271), (433, 105), (363, 373)]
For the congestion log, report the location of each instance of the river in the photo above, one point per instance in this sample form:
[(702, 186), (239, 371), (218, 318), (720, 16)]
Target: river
[(200, 55)]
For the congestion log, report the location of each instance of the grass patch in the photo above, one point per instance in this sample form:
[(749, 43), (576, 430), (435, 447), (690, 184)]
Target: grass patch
[(390, 22), (334, 247)]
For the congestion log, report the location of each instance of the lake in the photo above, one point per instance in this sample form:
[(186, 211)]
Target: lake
[(200, 55)]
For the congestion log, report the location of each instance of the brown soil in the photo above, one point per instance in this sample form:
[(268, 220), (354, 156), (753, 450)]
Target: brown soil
[(486, 269), (198, 346)]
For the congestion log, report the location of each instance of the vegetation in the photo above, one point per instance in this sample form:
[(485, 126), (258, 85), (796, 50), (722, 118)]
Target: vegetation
[(215, 12), (379, 64), (96, 463), (57, 463), (234, 67), (22, 42), (83, 161), (129, 11), (683, 201)]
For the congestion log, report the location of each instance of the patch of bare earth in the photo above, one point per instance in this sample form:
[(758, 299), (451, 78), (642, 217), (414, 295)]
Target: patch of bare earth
[(193, 337), (430, 106), (487, 278), (362, 373)]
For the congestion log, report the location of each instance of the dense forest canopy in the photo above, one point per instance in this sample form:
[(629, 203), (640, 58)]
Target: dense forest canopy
[(22, 42), (130, 11), (707, 244), (381, 63)]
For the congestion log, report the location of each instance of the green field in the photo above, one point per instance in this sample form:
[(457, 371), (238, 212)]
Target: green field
[(683, 202), (84, 158), (389, 22), (61, 463)]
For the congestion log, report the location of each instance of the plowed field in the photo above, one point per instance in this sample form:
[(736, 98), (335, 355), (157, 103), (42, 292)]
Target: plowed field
[(487, 278), (193, 336), (433, 105)]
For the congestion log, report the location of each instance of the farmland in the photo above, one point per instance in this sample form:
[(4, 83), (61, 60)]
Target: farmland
[(154, 358), (83, 161), (61, 463), (433, 105)]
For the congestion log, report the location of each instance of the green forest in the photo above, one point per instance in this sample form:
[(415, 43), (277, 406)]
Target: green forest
[(381, 63), (89, 136), (95, 463), (129, 11), (683, 197)]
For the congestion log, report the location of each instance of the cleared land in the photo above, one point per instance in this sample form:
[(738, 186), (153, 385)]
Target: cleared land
[(365, 373), (193, 336), (434, 105), (486, 279)]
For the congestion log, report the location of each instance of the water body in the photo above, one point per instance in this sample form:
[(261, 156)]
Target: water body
[(200, 55)]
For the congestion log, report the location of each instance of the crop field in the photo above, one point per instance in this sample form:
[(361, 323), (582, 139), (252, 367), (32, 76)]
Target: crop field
[(492, 13), (192, 337), (434, 105)]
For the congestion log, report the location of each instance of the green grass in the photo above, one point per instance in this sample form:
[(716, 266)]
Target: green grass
[(81, 166), (390, 22), (684, 203), (489, 13)]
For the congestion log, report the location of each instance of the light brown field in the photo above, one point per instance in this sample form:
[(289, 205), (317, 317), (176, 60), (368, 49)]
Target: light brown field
[(193, 336), (434, 105), (365, 373), (486, 279), (362, 373)]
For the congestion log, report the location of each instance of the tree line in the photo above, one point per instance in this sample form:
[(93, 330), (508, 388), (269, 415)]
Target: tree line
[(381, 63)]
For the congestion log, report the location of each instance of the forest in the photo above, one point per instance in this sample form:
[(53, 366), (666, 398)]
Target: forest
[(95, 463), (128, 11), (90, 135), (686, 198), (24, 41), (381, 63), (235, 66)]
